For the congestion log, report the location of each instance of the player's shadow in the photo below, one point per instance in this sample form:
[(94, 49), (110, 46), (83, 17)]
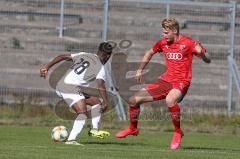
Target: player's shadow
[(209, 149), (113, 143)]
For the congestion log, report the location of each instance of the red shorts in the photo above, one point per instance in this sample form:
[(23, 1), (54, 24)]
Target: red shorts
[(160, 89)]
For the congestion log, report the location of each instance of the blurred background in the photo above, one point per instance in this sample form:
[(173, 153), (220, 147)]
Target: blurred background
[(32, 32)]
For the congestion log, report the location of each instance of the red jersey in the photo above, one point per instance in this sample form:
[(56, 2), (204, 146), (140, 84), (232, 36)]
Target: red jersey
[(178, 57)]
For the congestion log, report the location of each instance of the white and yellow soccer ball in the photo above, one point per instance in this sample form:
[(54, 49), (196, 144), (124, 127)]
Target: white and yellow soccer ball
[(59, 134)]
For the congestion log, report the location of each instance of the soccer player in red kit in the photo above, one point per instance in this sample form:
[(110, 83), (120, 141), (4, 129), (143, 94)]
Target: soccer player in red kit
[(172, 85)]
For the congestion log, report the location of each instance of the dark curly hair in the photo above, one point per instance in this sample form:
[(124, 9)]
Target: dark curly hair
[(105, 47)]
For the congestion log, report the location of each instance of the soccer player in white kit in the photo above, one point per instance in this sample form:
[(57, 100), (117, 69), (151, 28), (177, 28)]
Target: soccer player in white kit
[(87, 69)]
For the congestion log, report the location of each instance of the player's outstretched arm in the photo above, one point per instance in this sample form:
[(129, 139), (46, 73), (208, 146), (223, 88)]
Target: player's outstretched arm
[(44, 69), (146, 58), (103, 94), (202, 52)]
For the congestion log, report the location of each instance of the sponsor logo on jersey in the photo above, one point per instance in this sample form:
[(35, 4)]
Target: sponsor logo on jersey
[(174, 56)]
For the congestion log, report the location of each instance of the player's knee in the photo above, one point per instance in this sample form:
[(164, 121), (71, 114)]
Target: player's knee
[(97, 101), (133, 101), (80, 110), (170, 101), (93, 101)]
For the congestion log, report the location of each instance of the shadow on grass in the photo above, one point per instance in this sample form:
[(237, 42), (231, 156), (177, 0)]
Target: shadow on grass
[(210, 149), (114, 143)]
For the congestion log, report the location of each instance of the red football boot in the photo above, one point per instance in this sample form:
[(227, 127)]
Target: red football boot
[(127, 132), (176, 140)]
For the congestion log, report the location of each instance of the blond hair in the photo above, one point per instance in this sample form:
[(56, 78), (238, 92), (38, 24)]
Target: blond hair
[(171, 24)]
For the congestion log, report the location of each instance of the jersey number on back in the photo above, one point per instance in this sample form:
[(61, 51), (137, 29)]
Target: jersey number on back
[(81, 66)]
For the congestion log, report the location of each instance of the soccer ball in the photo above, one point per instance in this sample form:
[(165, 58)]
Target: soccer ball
[(59, 133)]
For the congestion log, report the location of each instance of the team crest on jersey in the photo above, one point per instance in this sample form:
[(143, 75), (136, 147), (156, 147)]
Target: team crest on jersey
[(182, 47)]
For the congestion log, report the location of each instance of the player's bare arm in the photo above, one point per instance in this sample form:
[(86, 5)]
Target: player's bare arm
[(205, 56), (146, 58), (103, 93), (44, 69)]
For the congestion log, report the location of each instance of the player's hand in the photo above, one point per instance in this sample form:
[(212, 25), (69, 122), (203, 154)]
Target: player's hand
[(138, 76), (43, 71), (203, 54)]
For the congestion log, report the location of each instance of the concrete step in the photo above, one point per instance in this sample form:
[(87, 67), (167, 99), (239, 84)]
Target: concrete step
[(12, 58), (87, 30), (203, 76), (45, 45), (134, 17), (130, 15), (117, 5)]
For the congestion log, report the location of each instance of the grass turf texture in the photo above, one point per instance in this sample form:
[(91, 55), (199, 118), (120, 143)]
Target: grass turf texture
[(27, 142)]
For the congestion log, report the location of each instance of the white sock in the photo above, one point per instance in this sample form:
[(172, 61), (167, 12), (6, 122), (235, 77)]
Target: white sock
[(96, 115), (77, 126)]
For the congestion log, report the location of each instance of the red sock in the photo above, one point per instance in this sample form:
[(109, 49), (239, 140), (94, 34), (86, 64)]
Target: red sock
[(134, 114), (175, 115)]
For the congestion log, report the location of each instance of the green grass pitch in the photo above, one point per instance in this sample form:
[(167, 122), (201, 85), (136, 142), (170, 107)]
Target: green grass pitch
[(27, 142)]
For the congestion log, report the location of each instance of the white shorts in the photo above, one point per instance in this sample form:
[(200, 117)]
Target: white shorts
[(72, 98)]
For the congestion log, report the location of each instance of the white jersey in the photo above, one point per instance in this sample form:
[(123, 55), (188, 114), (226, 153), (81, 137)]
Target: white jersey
[(86, 68), (84, 71)]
